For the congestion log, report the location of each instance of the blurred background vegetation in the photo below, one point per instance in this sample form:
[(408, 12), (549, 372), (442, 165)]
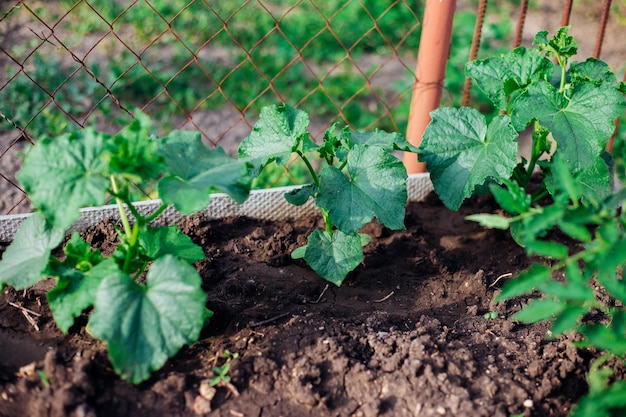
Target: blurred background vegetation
[(227, 38)]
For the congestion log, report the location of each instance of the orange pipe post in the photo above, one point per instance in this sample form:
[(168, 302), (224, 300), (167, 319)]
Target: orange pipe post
[(432, 57)]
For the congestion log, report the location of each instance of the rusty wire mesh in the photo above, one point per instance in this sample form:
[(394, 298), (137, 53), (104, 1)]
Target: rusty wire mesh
[(211, 66), (199, 65)]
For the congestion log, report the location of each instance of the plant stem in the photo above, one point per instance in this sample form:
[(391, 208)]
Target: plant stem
[(120, 207), (156, 214), (328, 225), (314, 175), (563, 64), (132, 233)]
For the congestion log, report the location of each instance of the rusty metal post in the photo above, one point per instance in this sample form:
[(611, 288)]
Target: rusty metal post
[(521, 21), (567, 12), (478, 29), (432, 58), (606, 9)]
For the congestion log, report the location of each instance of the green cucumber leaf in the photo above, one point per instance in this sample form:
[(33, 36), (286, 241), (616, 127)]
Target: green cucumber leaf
[(592, 70), (389, 141), (494, 75), (160, 241), (463, 153), (24, 262), (581, 124), (333, 257), (75, 291), (134, 154), (194, 171), (365, 239), (278, 132), (561, 44), (80, 255), (299, 252), (376, 188), (300, 195), (334, 145), (525, 282), (71, 169), (144, 325), (539, 310)]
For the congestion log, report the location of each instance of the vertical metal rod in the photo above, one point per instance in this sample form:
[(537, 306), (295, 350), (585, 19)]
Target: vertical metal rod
[(480, 19), (521, 20), (606, 7), (567, 12), (432, 57)]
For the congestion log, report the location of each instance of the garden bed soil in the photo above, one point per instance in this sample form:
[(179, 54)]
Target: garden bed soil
[(404, 336)]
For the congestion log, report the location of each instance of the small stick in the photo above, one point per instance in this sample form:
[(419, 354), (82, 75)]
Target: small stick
[(507, 275), (27, 313), (321, 295), (30, 320), (384, 298), (34, 313), (262, 322)]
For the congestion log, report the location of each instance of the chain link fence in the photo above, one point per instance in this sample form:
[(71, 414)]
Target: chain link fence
[(211, 66), (201, 65)]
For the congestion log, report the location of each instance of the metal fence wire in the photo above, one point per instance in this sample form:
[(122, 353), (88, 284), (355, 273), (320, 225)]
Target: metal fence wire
[(211, 66)]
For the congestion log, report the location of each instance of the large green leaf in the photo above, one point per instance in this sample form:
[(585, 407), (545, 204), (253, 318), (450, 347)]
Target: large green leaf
[(333, 256), (194, 171), (63, 174), (581, 124), (144, 325), (518, 67), (462, 153), (275, 136), (376, 188), (24, 261), (76, 291)]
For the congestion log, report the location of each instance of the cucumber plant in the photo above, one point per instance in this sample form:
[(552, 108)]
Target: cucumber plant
[(146, 300), (359, 179), (565, 184)]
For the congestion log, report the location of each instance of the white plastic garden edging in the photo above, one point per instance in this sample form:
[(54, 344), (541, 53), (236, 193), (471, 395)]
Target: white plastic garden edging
[(267, 204)]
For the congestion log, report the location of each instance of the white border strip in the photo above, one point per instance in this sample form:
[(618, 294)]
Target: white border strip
[(267, 204)]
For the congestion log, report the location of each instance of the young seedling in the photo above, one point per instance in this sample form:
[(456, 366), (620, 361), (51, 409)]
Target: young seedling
[(146, 299), (360, 179), (572, 113), (221, 372)]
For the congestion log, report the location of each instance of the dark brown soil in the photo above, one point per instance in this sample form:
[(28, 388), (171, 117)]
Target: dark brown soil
[(404, 336)]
